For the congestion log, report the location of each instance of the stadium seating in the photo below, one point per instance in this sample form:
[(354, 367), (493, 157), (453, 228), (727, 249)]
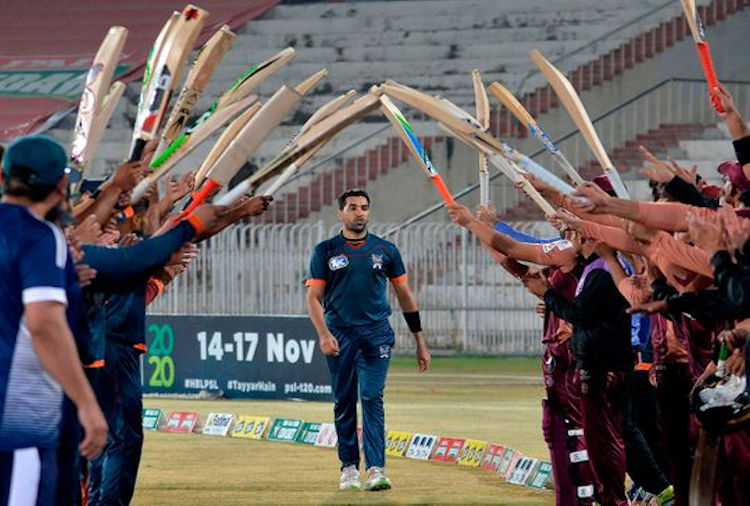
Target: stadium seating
[(362, 43)]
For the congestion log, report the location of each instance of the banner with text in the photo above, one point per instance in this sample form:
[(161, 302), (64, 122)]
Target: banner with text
[(260, 357)]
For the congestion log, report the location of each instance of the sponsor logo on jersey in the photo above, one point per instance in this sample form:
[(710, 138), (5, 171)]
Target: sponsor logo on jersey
[(338, 262)]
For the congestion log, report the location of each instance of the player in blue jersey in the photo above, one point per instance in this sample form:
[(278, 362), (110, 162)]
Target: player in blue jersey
[(38, 358), (348, 305)]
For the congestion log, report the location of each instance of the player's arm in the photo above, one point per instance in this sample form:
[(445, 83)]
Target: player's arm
[(316, 289), (41, 268), (409, 307), (55, 347)]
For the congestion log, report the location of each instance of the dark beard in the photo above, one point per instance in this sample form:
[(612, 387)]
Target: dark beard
[(60, 216)]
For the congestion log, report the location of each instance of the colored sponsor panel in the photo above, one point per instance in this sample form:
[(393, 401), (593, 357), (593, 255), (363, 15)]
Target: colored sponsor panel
[(284, 429), (327, 437), (396, 443), (541, 476), (492, 456), (508, 462), (308, 433), (181, 422), (448, 449), (218, 424), (250, 427), (472, 453), (521, 470), (421, 446), (152, 418)]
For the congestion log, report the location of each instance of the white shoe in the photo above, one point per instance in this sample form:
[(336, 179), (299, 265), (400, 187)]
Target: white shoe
[(349, 479), (377, 479)]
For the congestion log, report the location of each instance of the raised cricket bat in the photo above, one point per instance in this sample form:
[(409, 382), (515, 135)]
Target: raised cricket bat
[(164, 74), (568, 96), (459, 120), (89, 122), (506, 167), (156, 48), (482, 105), (248, 106), (323, 112), (522, 115), (208, 58), (242, 86), (308, 143), (704, 51), (407, 135), (251, 136)]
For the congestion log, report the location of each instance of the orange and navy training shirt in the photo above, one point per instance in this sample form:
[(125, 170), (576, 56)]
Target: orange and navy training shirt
[(355, 276)]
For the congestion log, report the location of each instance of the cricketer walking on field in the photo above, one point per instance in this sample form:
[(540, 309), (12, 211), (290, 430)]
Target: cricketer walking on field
[(348, 305)]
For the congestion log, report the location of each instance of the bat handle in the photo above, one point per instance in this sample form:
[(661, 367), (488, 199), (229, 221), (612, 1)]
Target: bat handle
[(484, 187), (137, 152), (198, 198), (704, 51), (140, 189), (437, 180), (234, 194)]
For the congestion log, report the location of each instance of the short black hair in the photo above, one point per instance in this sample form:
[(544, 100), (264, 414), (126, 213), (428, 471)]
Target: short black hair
[(352, 192), (17, 187)]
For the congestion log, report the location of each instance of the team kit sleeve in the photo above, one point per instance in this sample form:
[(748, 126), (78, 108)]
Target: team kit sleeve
[(42, 267), (318, 272), (396, 270)]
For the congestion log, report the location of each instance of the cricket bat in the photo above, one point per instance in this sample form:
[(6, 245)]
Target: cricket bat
[(705, 463), (208, 58), (459, 121), (482, 105), (568, 96), (94, 102), (704, 50), (164, 74), (308, 143), (248, 106), (507, 168), (323, 112), (522, 115), (407, 135), (242, 86), (251, 136)]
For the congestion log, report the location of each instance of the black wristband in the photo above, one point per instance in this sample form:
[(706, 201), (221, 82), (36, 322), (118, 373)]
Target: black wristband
[(413, 321), (742, 150)]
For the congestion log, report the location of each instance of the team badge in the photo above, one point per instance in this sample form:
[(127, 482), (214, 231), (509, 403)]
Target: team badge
[(377, 261), (385, 351), (338, 262)]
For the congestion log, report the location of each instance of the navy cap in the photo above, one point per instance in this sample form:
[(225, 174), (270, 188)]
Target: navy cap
[(37, 160)]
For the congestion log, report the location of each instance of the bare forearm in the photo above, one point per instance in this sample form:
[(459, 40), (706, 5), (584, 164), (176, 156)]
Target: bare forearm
[(736, 125), (627, 209), (315, 310), (104, 206)]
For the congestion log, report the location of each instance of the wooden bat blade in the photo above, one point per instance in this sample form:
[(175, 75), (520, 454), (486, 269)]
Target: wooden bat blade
[(480, 99), (221, 144), (255, 75), (201, 134), (317, 135), (407, 135), (153, 54), (569, 98), (482, 105), (94, 94), (691, 16), (206, 61), (511, 103), (705, 465), (311, 82), (252, 135), (166, 72), (327, 109)]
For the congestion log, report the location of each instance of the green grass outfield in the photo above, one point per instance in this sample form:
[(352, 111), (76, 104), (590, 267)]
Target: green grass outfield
[(488, 398)]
